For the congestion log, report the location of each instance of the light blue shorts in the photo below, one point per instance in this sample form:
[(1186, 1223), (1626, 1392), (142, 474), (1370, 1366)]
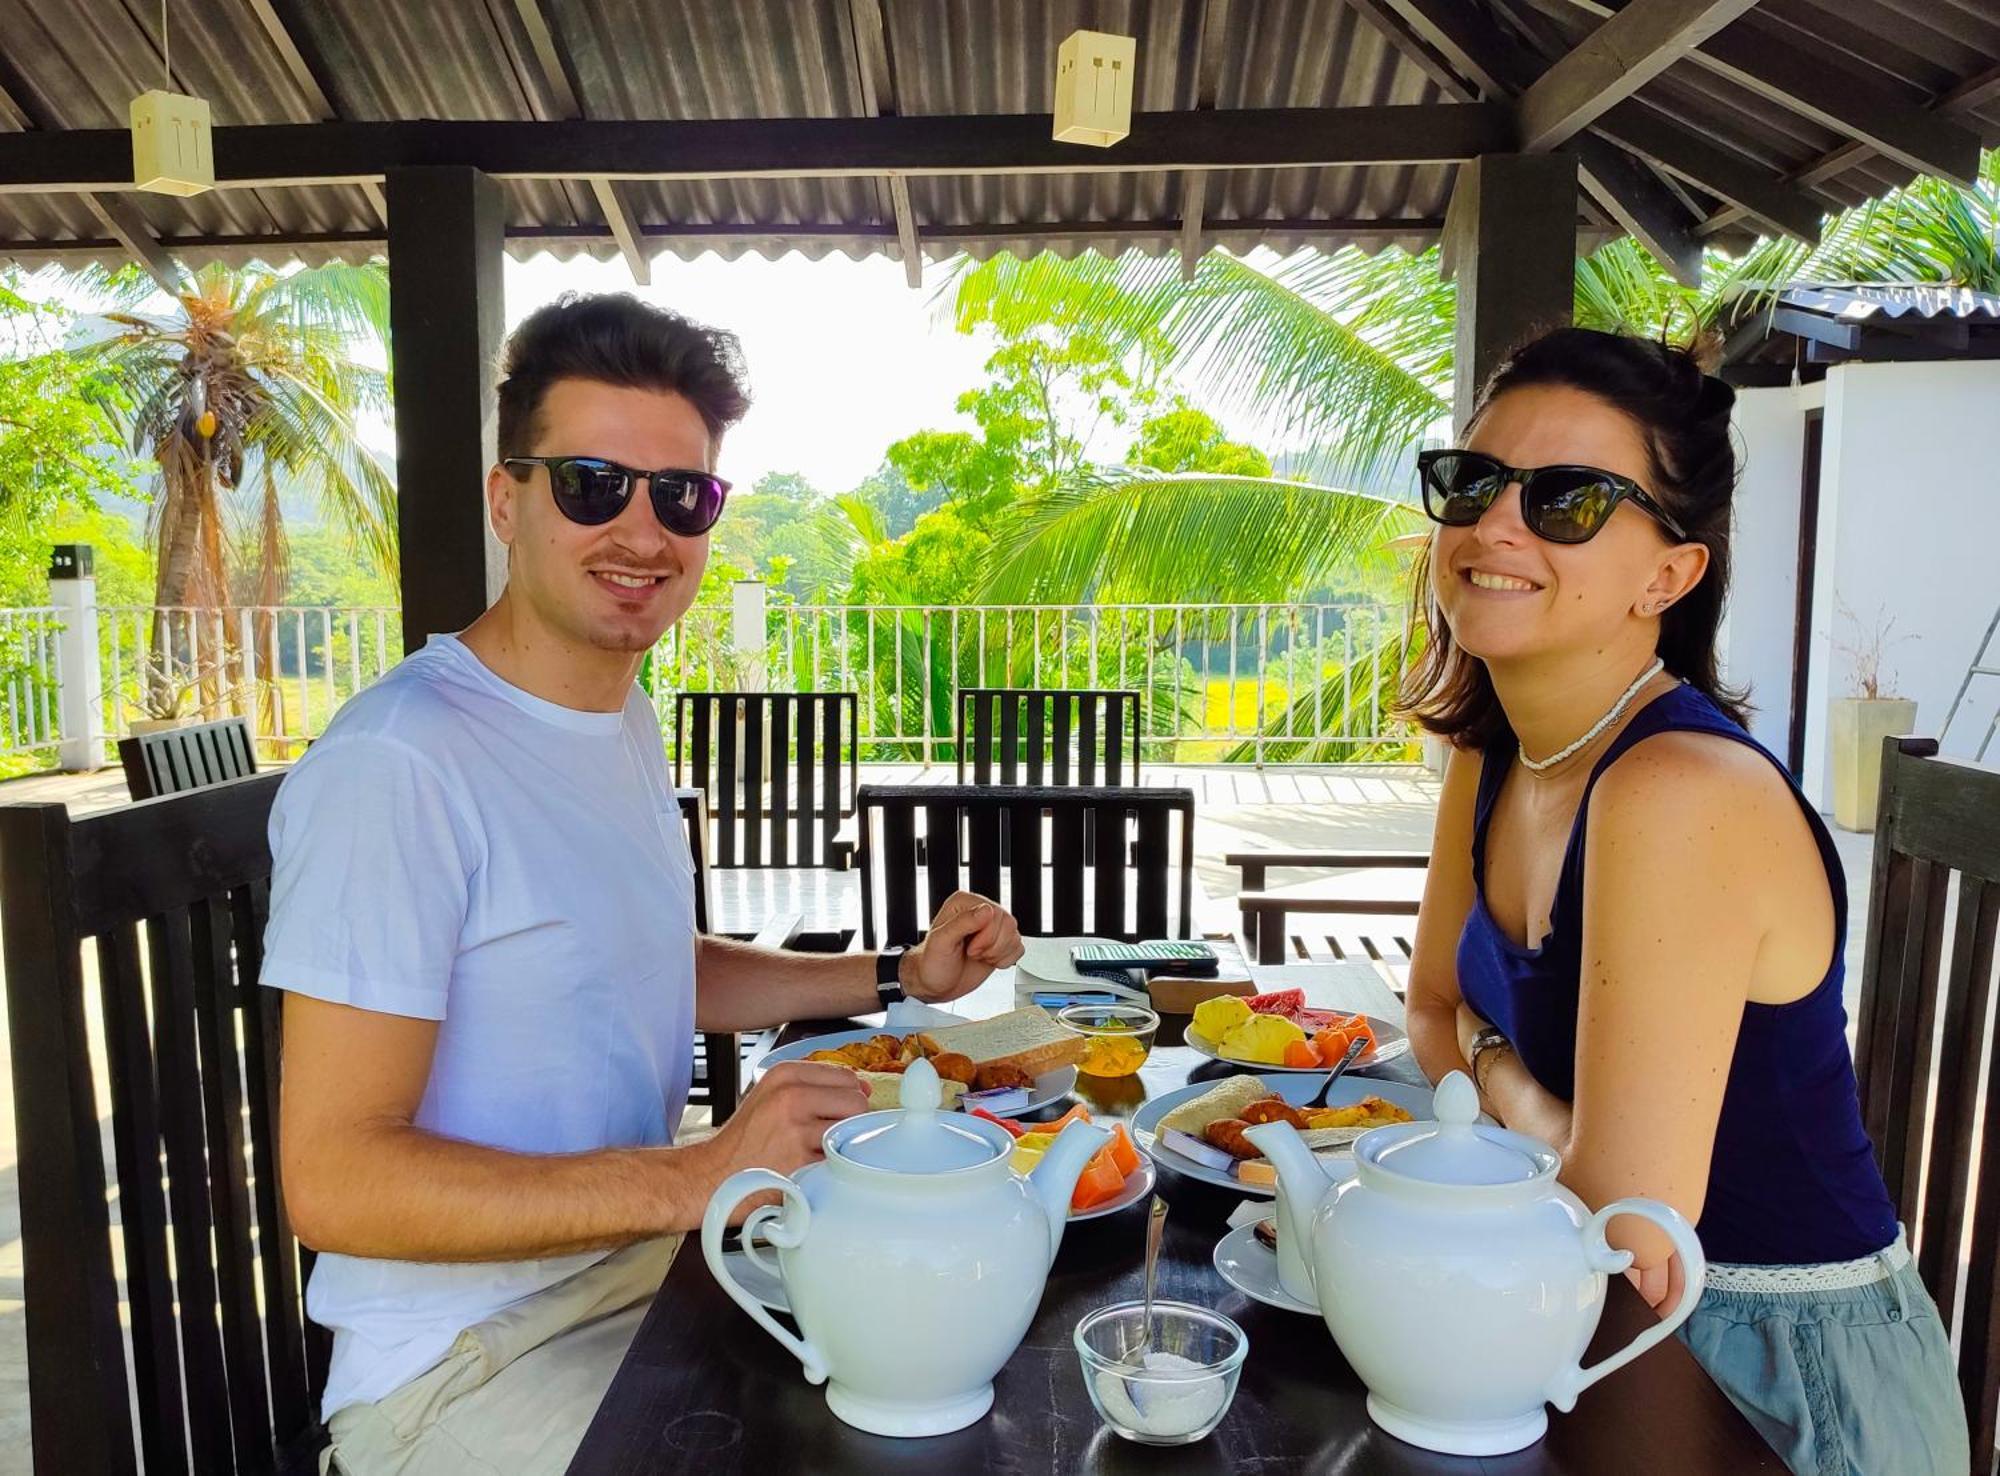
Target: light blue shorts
[(1853, 1382)]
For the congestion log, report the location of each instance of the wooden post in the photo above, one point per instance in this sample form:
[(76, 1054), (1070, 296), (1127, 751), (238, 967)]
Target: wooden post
[(447, 322), (1510, 244)]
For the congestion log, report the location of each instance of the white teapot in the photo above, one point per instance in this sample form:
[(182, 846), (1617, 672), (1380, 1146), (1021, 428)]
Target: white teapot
[(913, 1257), (1460, 1280)]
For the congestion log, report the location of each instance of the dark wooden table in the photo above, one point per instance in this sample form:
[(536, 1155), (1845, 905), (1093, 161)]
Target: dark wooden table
[(703, 1389)]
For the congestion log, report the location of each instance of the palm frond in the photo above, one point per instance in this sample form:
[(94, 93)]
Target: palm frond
[(1116, 534)]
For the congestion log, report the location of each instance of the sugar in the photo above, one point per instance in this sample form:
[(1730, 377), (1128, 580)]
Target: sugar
[(1163, 1408)]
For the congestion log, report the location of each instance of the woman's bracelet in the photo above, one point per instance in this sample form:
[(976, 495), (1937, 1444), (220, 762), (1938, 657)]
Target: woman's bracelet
[(1485, 1044)]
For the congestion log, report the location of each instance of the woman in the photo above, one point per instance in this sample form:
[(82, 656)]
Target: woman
[(1648, 913)]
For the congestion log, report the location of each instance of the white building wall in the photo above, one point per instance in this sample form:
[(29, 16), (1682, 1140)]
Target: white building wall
[(1909, 531), (1763, 596)]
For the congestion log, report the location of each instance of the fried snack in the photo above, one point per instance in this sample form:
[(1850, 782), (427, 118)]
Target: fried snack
[(1273, 1109), (951, 1066), (1228, 1136), (996, 1074), (924, 1045)]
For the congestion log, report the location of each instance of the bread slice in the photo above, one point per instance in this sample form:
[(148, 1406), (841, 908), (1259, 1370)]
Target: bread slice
[(1028, 1038), (1227, 1099)]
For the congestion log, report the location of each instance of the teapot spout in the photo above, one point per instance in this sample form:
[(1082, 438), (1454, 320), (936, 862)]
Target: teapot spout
[(1306, 1181), (1055, 1176)]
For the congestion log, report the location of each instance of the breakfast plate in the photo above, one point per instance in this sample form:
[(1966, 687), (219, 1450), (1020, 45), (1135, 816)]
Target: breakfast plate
[(1295, 1087), (1247, 1264), (1138, 1184), (1050, 1087), (1390, 1042)]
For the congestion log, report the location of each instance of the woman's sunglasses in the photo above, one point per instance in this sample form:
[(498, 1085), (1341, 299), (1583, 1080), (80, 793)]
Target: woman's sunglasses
[(590, 490), (1564, 504)]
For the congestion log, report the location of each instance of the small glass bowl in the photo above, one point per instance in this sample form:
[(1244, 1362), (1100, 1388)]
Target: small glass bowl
[(1117, 1037), (1193, 1362)]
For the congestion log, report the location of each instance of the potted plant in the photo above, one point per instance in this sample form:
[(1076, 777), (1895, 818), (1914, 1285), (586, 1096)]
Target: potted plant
[(173, 695), (1860, 721)]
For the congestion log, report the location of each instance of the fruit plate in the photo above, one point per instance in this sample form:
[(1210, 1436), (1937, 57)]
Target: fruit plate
[(1390, 1042)]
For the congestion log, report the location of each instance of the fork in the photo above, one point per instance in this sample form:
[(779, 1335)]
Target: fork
[(1353, 1049)]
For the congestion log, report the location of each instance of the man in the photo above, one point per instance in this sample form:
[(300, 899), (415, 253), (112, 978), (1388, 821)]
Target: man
[(482, 912)]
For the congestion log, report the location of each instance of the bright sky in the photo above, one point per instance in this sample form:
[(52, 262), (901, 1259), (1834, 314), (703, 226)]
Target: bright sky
[(844, 356)]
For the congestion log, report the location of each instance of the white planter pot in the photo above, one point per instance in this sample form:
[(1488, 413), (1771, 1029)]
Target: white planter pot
[(138, 727), (1858, 726)]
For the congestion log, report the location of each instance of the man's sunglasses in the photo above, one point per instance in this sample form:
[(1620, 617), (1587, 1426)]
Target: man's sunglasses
[(1564, 504), (591, 490)]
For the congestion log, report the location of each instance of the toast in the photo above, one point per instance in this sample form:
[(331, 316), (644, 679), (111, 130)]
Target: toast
[(885, 1090), (1226, 1099), (1027, 1038)]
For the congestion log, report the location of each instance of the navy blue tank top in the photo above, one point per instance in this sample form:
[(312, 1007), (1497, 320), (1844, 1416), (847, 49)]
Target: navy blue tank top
[(1793, 1178)]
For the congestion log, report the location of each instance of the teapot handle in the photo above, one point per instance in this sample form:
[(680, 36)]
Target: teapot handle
[(1572, 1381), (784, 1226)]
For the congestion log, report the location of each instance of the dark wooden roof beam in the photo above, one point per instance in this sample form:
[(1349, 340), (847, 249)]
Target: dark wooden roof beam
[(1770, 62), (1614, 61), (877, 77), (554, 74), (782, 148), (307, 74), (1966, 97), (1721, 172), (120, 216), (1458, 37), (1210, 33)]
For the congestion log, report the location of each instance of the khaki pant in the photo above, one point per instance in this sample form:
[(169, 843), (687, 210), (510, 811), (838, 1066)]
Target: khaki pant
[(515, 1393)]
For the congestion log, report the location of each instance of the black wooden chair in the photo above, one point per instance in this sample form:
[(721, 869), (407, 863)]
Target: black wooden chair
[(771, 767), (226, 1372), (1045, 878), (1352, 925), (1926, 1030), (1041, 736), (176, 760)]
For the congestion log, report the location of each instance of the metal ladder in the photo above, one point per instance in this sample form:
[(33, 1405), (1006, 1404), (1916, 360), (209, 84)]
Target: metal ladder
[(1983, 664)]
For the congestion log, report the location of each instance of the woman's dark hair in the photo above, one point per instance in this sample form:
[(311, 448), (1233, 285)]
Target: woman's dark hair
[(614, 338), (1683, 415)]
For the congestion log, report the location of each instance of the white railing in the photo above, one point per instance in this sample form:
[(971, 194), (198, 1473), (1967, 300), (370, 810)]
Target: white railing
[(287, 666), (1244, 682), (30, 679)]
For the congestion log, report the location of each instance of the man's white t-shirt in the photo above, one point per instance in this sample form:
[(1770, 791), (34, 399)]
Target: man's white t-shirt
[(456, 849)]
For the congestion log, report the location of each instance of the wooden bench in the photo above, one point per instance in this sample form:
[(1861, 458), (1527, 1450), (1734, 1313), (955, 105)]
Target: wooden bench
[(1044, 736), (1265, 915)]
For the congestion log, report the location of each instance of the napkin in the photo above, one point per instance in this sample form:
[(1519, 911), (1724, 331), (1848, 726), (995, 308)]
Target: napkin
[(917, 1015), (1250, 1212)]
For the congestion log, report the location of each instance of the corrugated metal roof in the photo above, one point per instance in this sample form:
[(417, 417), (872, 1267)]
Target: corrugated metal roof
[(1866, 301), (76, 63)]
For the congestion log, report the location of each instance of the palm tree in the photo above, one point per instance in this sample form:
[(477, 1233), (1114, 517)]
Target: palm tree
[(1351, 355), (249, 377)]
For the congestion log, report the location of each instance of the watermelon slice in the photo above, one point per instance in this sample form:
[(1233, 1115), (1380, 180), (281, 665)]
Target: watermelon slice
[(1285, 1002)]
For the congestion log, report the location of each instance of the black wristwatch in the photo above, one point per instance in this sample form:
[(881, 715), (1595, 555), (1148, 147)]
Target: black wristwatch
[(889, 976)]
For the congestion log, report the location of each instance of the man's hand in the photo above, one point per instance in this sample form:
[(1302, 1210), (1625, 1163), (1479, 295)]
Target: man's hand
[(783, 1117), (969, 938)]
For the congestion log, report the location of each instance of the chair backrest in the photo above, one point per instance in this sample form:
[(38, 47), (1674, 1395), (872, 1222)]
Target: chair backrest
[(1927, 1024), (170, 898), (778, 769), (176, 760), (694, 815), (1041, 736), (1026, 848)]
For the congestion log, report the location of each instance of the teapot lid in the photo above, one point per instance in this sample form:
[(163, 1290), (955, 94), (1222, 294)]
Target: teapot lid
[(917, 1139), (1458, 1148)]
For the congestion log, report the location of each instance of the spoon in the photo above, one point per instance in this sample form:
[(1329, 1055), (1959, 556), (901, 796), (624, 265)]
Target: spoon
[(1353, 1049), (1156, 1223)]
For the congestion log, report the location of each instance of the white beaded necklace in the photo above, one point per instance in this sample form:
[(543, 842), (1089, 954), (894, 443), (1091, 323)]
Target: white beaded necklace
[(1536, 766)]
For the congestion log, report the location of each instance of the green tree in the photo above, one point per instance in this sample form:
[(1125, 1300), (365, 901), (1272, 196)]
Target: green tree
[(1187, 439), (252, 376)]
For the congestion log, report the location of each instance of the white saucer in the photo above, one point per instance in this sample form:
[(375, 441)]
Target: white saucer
[(1250, 1266), (760, 1284)]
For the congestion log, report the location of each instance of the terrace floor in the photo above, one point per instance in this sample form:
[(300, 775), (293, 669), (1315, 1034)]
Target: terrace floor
[(1237, 808)]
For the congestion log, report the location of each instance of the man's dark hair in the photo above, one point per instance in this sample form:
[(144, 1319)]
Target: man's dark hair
[(614, 338)]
